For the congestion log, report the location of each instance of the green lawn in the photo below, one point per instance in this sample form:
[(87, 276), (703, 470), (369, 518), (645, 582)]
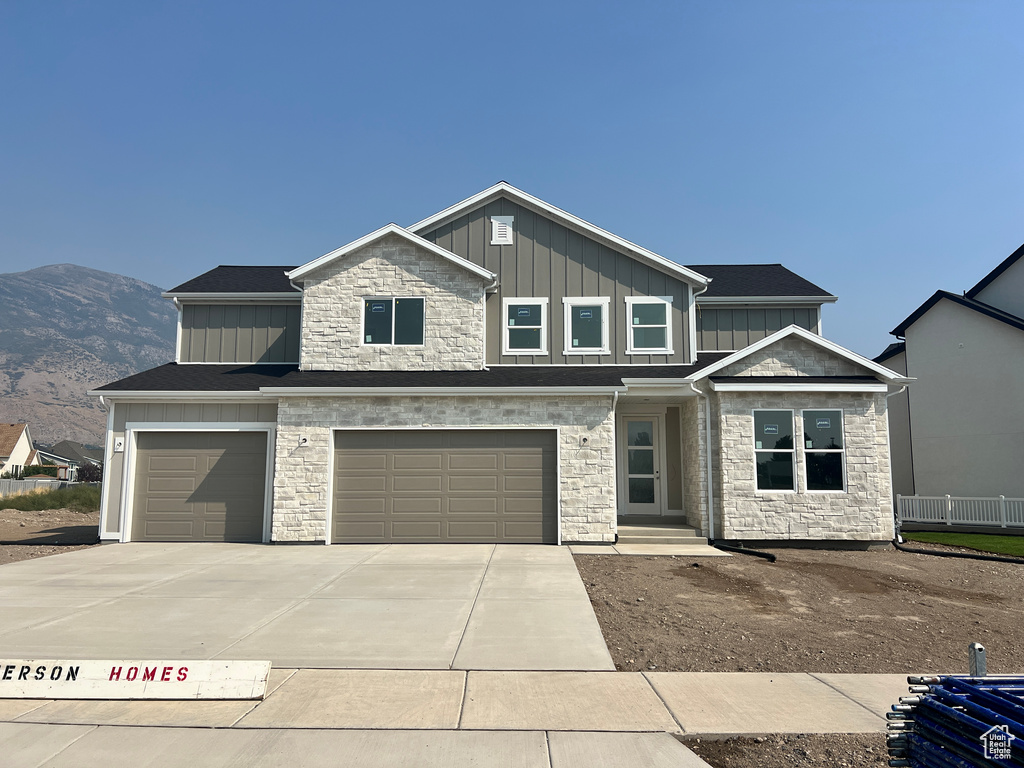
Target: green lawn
[(985, 542), (82, 498)]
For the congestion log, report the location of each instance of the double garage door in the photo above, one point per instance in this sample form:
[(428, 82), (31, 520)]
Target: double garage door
[(199, 486), (457, 486)]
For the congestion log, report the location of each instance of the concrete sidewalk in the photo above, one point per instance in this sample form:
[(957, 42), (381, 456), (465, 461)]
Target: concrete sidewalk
[(708, 704), (449, 718)]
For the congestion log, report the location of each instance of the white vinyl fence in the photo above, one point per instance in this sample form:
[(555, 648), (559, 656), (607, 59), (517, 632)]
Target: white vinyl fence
[(996, 511), (9, 487)]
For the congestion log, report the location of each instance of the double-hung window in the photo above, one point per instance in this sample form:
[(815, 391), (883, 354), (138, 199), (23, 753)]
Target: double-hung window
[(393, 321), (823, 450), (774, 452), (649, 329), (526, 326), (586, 325)]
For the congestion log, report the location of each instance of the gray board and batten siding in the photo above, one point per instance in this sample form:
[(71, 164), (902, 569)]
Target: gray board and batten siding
[(549, 260), (733, 328), (240, 333)]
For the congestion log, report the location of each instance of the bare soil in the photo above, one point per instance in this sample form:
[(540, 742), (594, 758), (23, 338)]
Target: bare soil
[(794, 751), (25, 535), (812, 611)]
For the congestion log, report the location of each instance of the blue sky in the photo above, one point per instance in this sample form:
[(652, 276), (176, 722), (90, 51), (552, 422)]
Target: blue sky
[(873, 147)]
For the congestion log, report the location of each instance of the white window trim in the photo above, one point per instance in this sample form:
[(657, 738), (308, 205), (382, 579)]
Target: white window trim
[(667, 349), (362, 321), (806, 450), (542, 302), (792, 450), (568, 303)]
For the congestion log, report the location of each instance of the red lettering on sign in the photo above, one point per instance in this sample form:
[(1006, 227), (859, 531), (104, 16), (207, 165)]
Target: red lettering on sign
[(148, 674), (166, 674), (133, 672), (182, 673), (115, 673)]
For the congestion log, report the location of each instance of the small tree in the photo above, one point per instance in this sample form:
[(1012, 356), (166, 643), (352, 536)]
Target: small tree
[(90, 473)]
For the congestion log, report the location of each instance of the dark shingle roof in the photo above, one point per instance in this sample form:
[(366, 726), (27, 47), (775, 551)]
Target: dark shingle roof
[(239, 279), (896, 348), (174, 377), (978, 306), (755, 280)]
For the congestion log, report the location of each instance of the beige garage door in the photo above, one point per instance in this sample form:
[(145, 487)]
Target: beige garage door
[(456, 486), (199, 486)]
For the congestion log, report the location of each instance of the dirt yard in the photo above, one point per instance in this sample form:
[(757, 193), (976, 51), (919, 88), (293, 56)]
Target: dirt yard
[(812, 611), (24, 535), (799, 751)]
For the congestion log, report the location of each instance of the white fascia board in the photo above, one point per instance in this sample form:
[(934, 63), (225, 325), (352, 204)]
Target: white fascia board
[(809, 336), (228, 296), (391, 229), (767, 299), (419, 391), (735, 386), (574, 222), (169, 396)]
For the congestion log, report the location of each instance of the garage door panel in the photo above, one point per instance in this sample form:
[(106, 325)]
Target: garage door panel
[(416, 461), (199, 486), (445, 486), (431, 505)]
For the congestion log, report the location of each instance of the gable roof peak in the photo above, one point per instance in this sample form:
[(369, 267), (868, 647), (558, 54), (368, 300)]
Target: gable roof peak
[(389, 229), (566, 219)]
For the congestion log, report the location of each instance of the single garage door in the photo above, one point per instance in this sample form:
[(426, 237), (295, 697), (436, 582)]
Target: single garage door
[(455, 486), (199, 486)]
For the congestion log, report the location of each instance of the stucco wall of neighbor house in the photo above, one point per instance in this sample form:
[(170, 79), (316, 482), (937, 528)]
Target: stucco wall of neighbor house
[(587, 474), (332, 310), (19, 453), (165, 414), (1006, 292), (966, 409), (899, 432), (863, 512), (793, 356)]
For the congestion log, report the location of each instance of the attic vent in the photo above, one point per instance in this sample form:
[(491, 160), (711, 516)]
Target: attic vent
[(501, 230)]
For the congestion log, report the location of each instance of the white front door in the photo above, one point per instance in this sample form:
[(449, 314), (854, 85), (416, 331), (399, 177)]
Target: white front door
[(641, 463)]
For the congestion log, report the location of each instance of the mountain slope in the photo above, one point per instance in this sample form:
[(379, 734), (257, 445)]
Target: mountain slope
[(66, 329)]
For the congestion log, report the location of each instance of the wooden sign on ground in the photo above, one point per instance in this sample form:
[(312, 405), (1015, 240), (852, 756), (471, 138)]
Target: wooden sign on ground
[(132, 679)]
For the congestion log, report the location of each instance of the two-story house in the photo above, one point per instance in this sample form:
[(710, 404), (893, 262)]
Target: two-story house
[(501, 371)]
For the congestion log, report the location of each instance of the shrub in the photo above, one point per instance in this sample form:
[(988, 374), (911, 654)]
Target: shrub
[(81, 498), (90, 473)]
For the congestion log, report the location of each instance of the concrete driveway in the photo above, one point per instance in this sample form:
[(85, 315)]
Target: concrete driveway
[(479, 606)]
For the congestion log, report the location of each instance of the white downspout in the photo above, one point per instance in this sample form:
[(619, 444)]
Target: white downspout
[(693, 321), (707, 444), (888, 439), (615, 462)]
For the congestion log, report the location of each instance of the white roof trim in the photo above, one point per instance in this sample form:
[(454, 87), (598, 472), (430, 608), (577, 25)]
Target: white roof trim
[(391, 229), (766, 299), (736, 386), (575, 222), (418, 391), (173, 395), (223, 296), (812, 338)]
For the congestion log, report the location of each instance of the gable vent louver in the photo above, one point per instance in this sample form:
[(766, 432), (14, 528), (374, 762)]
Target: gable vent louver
[(501, 230)]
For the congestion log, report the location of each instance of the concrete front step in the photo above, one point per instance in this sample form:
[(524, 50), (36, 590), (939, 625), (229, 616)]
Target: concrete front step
[(654, 533), (687, 540)]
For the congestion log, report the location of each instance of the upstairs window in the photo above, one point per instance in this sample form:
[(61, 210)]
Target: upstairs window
[(586, 325), (649, 329), (397, 321), (526, 326)]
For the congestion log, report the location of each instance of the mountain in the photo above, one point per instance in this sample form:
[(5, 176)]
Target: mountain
[(66, 329)]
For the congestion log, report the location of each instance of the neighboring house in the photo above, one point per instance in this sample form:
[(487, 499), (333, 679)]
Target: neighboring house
[(76, 454), (502, 371), (960, 429), (16, 448)]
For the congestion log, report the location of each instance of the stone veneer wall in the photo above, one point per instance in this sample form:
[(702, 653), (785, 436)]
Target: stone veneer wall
[(332, 308), (863, 512), (695, 489), (587, 475), (793, 356)]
